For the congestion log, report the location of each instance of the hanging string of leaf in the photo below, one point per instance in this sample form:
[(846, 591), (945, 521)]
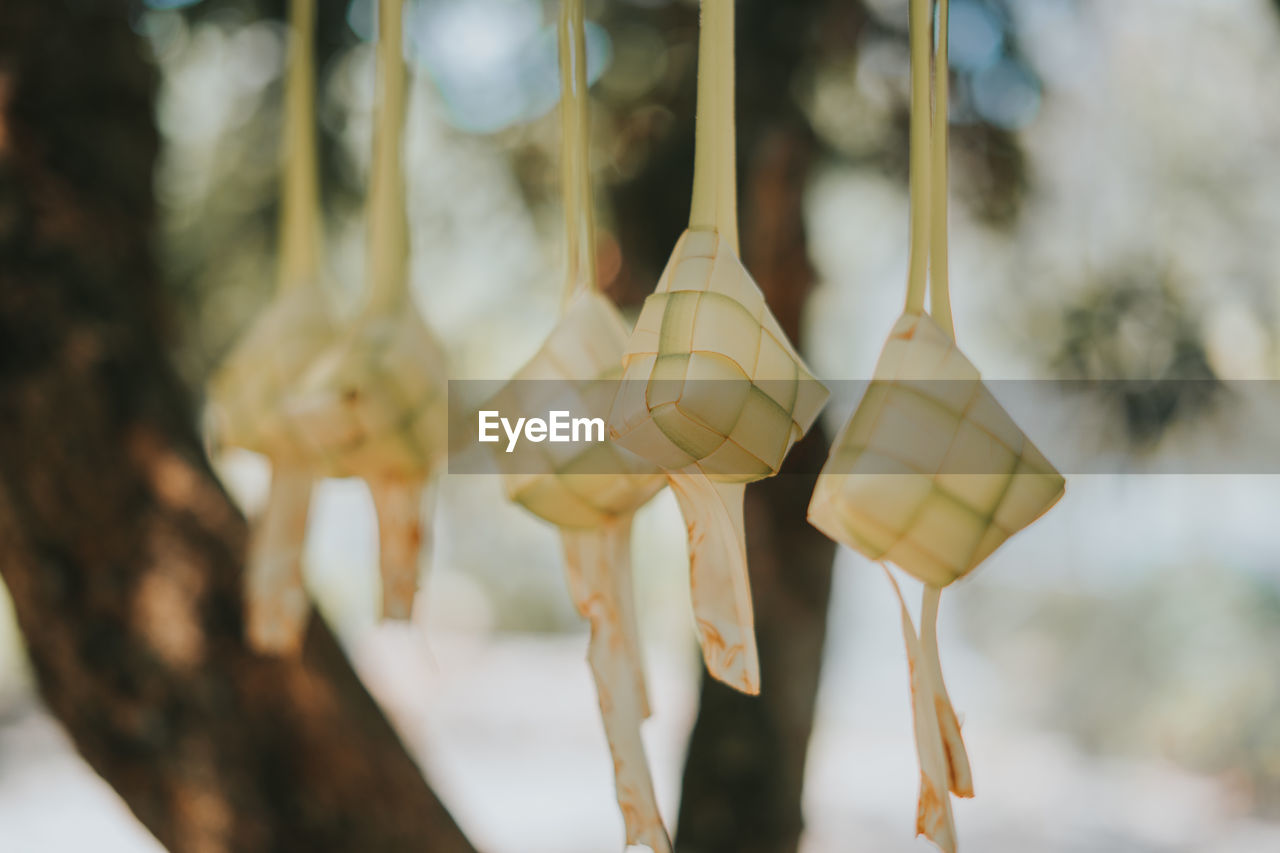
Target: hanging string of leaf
[(248, 390), (930, 473), (374, 404), (712, 390), (592, 490)]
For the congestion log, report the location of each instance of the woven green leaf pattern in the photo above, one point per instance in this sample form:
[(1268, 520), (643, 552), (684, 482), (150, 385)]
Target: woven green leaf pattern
[(375, 403), (576, 485), (709, 377), (930, 473)]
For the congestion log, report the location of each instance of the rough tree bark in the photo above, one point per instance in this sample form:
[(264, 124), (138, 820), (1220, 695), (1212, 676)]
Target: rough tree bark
[(121, 551)]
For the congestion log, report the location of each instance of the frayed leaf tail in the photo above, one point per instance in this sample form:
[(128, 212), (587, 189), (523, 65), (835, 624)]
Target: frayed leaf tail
[(933, 817), (401, 536), (619, 541), (276, 603), (959, 776), (598, 566), (718, 579)]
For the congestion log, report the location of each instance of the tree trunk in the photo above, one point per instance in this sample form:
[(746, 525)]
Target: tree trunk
[(122, 553)]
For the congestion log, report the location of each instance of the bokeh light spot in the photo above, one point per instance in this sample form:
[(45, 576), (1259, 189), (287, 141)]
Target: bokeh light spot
[(1007, 94), (977, 35), (163, 5), (493, 61)]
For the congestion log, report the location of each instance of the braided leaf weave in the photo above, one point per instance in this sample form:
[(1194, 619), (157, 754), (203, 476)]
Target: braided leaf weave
[(713, 392), (930, 473), (567, 484), (710, 379), (374, 404)]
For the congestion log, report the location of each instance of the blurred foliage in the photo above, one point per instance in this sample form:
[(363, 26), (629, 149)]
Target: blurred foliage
[(219, 108), (223, 59), (855, 90), (1135, 342), (1178, 664)]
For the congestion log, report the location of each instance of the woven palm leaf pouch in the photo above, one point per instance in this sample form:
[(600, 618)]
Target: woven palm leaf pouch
[(930, 473), (712, 390), (590, 490), (374, 404)]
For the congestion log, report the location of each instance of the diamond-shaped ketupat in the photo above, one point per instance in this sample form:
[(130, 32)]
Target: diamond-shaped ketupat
[(591, 490), (930, 473), (713, 392), (710, 379), (576, 485), (588, 486), (375, 404)]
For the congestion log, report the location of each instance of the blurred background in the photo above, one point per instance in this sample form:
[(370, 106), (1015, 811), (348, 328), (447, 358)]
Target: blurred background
[(1115, 201)]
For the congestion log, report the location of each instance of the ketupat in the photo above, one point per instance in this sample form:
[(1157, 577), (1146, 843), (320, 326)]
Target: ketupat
[(594, 507), (712, 390), (247, 391), (930, 473), (591, 492), (374, 404), (576, 485)]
